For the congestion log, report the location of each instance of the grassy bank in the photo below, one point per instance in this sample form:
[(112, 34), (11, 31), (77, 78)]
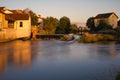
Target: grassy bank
[(92, 38)]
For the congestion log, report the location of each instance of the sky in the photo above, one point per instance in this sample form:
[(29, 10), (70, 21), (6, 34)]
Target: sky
[(77, 10)]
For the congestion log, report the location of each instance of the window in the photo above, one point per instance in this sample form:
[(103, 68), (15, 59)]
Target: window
[(21, 24), (10, 24)]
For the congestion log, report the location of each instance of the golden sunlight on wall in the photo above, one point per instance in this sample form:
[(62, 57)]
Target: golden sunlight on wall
[(113, 21)]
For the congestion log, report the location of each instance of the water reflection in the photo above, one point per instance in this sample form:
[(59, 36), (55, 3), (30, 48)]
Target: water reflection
[(55, 60), (103, 50), (113, 51), (3, 61), (17, 54), (55, 51)]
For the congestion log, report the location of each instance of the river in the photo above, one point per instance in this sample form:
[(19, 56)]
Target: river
[(58, 60)]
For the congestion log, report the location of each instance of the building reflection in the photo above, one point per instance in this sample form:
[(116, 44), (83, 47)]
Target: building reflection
[(113, 52), (19, 56), (105, 50), (22, 54), (3, 61)]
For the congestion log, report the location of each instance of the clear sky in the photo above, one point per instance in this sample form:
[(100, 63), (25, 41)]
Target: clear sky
[(76, 10)]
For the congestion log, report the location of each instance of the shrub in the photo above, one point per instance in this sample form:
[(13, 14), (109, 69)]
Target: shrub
[(90, 38), (64, 38), (100, 37), (108, 38)]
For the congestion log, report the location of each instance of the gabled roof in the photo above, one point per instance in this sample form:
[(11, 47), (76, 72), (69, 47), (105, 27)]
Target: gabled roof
[(1, 12), (2, 8), (5, 10), (17, 11), (14, 17), (105, 15)]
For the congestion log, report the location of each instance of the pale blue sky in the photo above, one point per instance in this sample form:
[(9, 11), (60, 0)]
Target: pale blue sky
[(76, 10)]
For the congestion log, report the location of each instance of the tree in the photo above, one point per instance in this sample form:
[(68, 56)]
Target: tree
[(64, 26), (74, 28), (90, 23), (50, 24), (60, 30), (119, 23), (103, 25), (117, 33), (34, 18)]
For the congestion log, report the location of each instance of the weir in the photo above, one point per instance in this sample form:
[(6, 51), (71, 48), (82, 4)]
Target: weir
[(49, 36)]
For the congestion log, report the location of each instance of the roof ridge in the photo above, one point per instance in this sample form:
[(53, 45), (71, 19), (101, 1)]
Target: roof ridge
[(105, 15)]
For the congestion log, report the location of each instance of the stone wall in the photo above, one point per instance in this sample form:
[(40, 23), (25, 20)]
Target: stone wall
[(7, 35)]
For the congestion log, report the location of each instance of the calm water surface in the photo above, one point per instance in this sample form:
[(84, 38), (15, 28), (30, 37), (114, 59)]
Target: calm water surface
[(57, 60)]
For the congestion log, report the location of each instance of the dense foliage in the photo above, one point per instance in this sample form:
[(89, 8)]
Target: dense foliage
[(34, 18), (117, 33), (90, 23), (91, 38), (64, 26), (50, 25), (74, 28), (119, 23), (103, 25)]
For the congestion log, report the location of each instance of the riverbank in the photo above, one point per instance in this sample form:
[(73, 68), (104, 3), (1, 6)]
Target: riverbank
[(92, 38)]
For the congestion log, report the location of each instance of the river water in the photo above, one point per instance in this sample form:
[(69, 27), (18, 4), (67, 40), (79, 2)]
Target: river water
[(58, 60)]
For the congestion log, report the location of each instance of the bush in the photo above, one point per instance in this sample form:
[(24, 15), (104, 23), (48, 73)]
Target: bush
[(90, 38), (67, 38), (105, 37), (108, 38), (64, 38), (103, 25)]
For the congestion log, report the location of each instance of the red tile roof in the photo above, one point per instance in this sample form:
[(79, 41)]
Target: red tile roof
[(17, 11), (105, 15), (14, 17), (1, 12), (2, 8)]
